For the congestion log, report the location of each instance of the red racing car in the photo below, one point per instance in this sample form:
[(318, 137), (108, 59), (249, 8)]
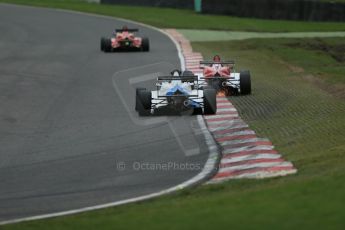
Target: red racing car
[(125, 40), (221, 75)]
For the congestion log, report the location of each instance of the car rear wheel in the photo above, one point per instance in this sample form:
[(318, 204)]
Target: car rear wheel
[(145, 44), (102, 43), (187, 73), (186, 77), (136, 96), (215, 83), (245, 82), (210, 101), (143, 102), (107, 45), (197, 111)]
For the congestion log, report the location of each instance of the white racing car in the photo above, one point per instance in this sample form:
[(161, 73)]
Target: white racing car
[(178, 93)]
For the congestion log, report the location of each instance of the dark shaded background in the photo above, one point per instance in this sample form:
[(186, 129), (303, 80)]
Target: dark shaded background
[(307, 10)]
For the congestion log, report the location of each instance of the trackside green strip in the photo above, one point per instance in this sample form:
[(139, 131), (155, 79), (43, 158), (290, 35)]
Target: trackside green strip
[(212, 35)]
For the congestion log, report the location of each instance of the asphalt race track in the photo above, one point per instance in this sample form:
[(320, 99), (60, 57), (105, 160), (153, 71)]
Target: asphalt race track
[(64, 128)]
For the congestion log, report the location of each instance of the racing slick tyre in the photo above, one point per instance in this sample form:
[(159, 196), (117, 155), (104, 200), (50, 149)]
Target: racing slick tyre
[(136, 96), (102, 43), (215, 84), (187, 73), (107, 45), (197, 111), (145, 44), (210, 101), (245, 83), (143, 102)]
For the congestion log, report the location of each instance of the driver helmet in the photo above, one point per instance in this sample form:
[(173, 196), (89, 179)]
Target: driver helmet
[(216, 65), (216, 58), (176, 73)]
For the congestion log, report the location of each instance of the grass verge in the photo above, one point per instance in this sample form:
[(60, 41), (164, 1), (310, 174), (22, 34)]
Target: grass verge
[(304, 121), (187, 19), (212, 35)]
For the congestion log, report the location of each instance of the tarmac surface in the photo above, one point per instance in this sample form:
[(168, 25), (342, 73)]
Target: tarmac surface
[(69, 135)]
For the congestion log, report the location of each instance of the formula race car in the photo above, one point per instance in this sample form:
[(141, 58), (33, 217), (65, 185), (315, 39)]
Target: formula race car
[(179, 93), (124, 39), (221, 75)]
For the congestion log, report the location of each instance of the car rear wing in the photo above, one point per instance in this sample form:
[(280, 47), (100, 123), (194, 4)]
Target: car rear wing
[(217, 77), (178, 78), (129, 30), (217, 62)]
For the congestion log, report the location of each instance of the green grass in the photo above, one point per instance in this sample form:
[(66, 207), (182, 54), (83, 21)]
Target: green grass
[(241, 205), (324, 58), (221, 35), (186, 19), (306, 124)]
